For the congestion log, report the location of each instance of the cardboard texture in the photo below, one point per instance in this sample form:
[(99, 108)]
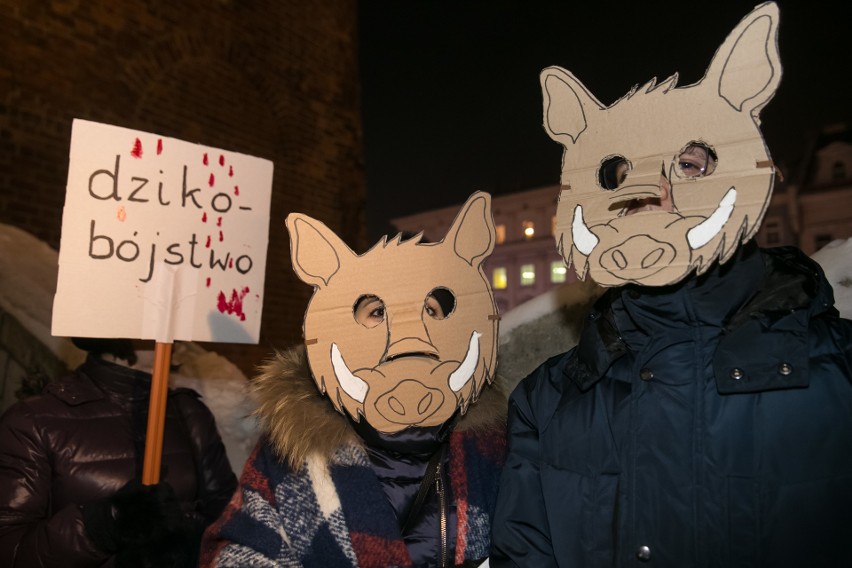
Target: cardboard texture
[(405, 334), (161, 239), (657, 219)]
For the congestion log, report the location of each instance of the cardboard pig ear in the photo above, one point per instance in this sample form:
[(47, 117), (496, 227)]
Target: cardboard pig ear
[(747, 66), (566, 105), (315, 250), (472, 233)]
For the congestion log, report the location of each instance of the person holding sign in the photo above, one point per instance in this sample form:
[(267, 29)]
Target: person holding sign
[(383, 438), (705, 417), (70, 463)]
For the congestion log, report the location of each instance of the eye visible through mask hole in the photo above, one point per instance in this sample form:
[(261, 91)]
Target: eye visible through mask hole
[(613, 172), (696, 160), (440, 303), (369, 310)]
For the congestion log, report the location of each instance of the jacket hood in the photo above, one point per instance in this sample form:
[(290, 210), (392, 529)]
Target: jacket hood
[(300, 421)]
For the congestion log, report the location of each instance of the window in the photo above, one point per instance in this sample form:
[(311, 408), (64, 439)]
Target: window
[(499, 279), (558, 271), (501, 234), (527, 274), (528, 228), (553, 225), (838, 171)]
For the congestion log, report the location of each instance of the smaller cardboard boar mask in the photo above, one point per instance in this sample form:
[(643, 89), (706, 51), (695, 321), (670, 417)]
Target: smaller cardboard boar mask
[(666, 180), (405, 334)]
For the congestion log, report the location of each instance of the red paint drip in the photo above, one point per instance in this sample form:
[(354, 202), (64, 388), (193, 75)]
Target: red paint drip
[(236, 190), (234, 305), (206, 161), (159, 146), (221, 237), (231, 263), (212, 180), (230, 171), (219, 222), (208, 281), (136, 152), (204, 217), (208, 242), (221, 160)]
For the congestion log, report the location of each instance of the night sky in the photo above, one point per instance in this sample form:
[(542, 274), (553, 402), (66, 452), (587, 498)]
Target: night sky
[(451, 96)]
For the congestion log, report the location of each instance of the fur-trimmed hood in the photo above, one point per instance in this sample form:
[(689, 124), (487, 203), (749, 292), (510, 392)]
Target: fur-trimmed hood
[(300, 421)]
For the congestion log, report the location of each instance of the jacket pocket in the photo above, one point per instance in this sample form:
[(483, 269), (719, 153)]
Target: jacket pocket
[(583, 516)]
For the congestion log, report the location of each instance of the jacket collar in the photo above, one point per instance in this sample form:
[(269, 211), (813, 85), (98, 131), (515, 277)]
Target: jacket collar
[(762, 301), (97, 379)]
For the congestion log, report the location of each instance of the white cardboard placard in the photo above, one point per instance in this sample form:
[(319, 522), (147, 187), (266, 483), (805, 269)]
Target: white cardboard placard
[(161, 239)]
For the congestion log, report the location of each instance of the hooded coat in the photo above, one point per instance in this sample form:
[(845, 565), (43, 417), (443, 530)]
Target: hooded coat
[(703, 424), (308, 495)]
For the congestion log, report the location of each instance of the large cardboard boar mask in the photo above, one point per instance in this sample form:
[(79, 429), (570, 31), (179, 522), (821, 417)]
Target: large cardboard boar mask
[(405, 334), (666, 180)]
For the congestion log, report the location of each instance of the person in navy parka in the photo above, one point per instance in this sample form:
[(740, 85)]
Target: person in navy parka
[(705, 417)]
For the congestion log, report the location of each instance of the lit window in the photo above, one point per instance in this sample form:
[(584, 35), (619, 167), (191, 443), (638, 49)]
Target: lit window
[(558, 271), (501, 234), (527, 274), (499, 279), (529, 229)]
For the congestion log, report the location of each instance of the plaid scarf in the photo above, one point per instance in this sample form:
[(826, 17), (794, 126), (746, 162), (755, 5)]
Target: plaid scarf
[(334, 514)]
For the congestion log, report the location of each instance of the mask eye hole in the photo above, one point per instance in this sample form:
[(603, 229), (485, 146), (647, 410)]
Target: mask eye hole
[(695, 161), (369, 310), (613, 172), (439, 304)]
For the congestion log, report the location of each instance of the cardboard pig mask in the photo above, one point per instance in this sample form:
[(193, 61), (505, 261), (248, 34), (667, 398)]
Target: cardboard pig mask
[(405, 334), (666, 180)]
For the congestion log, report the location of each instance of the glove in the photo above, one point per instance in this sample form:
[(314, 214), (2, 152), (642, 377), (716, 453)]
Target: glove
[(144, 526)]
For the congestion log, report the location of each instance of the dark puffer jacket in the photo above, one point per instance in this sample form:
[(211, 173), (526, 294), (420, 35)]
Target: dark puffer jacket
[(82, 440), (706, 424)]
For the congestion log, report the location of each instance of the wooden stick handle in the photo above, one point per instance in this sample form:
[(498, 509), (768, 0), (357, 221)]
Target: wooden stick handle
[(157, 414)]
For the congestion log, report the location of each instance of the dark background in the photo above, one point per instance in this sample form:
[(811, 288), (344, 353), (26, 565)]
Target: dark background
[(452, 103)]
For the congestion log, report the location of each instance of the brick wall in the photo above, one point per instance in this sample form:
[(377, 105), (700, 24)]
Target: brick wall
[(276, 79)]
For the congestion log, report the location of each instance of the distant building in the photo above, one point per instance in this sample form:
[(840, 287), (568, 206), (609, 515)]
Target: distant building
[(809, 211), (815, 206)]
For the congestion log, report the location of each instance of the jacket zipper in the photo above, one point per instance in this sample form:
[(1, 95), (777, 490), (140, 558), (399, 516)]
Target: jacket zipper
[(442, 510)]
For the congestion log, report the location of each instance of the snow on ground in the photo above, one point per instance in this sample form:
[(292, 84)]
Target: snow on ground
[(836, 260)]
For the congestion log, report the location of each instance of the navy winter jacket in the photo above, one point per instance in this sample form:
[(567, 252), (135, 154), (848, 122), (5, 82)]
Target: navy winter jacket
[(703, 424)]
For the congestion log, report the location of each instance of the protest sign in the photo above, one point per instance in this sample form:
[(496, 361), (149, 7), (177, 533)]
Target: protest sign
[(161, 239)]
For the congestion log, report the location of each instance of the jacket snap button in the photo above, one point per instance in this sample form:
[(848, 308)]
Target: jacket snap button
[(643, 553), (646, 374), (737, 374), (785, 369)]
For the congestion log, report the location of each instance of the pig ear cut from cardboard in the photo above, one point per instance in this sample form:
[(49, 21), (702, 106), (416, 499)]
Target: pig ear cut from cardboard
[(566, 104), (315, 250), (473, 234), (747, 77), (667, 180)]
